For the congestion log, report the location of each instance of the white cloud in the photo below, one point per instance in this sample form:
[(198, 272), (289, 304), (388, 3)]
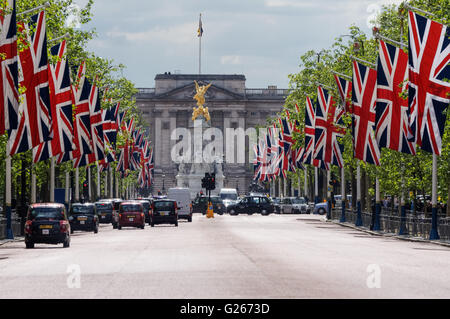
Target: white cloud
[(178, 34), (230, 59), (285, 3)]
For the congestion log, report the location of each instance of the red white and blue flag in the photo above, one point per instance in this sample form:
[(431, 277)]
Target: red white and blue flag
[(61, 103), (364, 101), (9, 76), (328, 148), (35, 120), (345, 93), (310, 133), (392, 116), (429, 92)]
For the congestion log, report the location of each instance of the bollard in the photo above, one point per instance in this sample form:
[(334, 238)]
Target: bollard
[(376, 224), (403, 230), (342, 220), (434, 234), (358, 222)]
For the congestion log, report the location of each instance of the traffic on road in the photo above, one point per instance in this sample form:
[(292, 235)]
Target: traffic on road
[(52, 223)]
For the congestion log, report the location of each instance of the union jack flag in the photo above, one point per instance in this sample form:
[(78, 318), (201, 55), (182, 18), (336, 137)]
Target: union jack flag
[(327, 147), (82, 125), (9, 76), (392, 118), (429, 56), (345, 92), (308, 153), (364, 101), (96, 126), (61, 103), (35, 121)]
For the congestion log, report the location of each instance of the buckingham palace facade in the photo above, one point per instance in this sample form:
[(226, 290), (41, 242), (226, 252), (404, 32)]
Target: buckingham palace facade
[(231, 105)]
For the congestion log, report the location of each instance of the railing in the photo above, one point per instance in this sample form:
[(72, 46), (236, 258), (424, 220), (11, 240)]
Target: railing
[(391, 222), (146, 90), (267, 92)]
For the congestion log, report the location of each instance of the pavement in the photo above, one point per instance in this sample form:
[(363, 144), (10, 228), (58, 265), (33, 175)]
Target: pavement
[(255, 257)]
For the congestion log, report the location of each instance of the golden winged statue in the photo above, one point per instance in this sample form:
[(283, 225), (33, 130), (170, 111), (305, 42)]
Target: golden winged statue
[(200, 97)]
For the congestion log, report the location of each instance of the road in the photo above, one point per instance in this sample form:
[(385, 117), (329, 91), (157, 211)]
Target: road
[(277, 256)]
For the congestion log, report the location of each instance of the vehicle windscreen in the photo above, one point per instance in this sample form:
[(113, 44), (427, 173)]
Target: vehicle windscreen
[(46, 213), (131, 208), (146, 205), (104, 207), (229, 196), (163, 205), (82, 209), (216, 200), (299, 201)]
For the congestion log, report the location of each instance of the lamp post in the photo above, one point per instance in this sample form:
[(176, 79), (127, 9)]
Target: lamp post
[(163, 188)]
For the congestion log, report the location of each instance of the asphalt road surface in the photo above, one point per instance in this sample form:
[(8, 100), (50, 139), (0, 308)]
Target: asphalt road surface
[(277, 256)]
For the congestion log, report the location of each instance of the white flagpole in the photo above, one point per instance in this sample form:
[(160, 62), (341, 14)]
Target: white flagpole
[(358, 196), (89, 183), (98, 183), (67, 197), (77, 185), (33, 184), (434, 234), (111, 195), (306, 183), (316, 185), (343, 195), (52, 179), (9, 232), (299, 182)]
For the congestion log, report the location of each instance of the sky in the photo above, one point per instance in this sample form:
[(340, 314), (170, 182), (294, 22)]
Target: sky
[(262, 39)]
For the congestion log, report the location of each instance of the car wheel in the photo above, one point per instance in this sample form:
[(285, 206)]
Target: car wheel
[(96, 230), (233, 212), (264, 212), (190, 219), (29, 244), (176, 223), (321, 211), (66, 244), (119, 227)]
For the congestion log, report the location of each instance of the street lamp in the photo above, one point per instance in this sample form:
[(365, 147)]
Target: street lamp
[(163, 188)]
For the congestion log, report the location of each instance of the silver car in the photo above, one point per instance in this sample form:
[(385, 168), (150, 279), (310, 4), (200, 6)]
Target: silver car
[(294, 205)]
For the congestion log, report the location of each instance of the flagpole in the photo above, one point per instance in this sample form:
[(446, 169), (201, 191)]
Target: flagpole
[(9, 232), (306, 183), (329, 206), (33, 184), (89, 183), (358, 195), (52, 180), (434, 234), (376, 224), (77, 185), (200, 45), (67, 195), (98, 183), (316, 185), (344, 198)]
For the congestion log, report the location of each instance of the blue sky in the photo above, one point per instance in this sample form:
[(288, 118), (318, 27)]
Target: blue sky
[(262, 39)]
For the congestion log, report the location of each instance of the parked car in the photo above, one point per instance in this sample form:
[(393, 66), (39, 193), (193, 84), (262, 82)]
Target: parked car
[(131, 214), (300, 206), (228, 196), (116, 207), (83, 217), (286, 205), (183, 198), (105, 211), (321, 208), (48, 224), (277, 204), (200, 205), (252, 205), (164, 211), (146, 204)]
